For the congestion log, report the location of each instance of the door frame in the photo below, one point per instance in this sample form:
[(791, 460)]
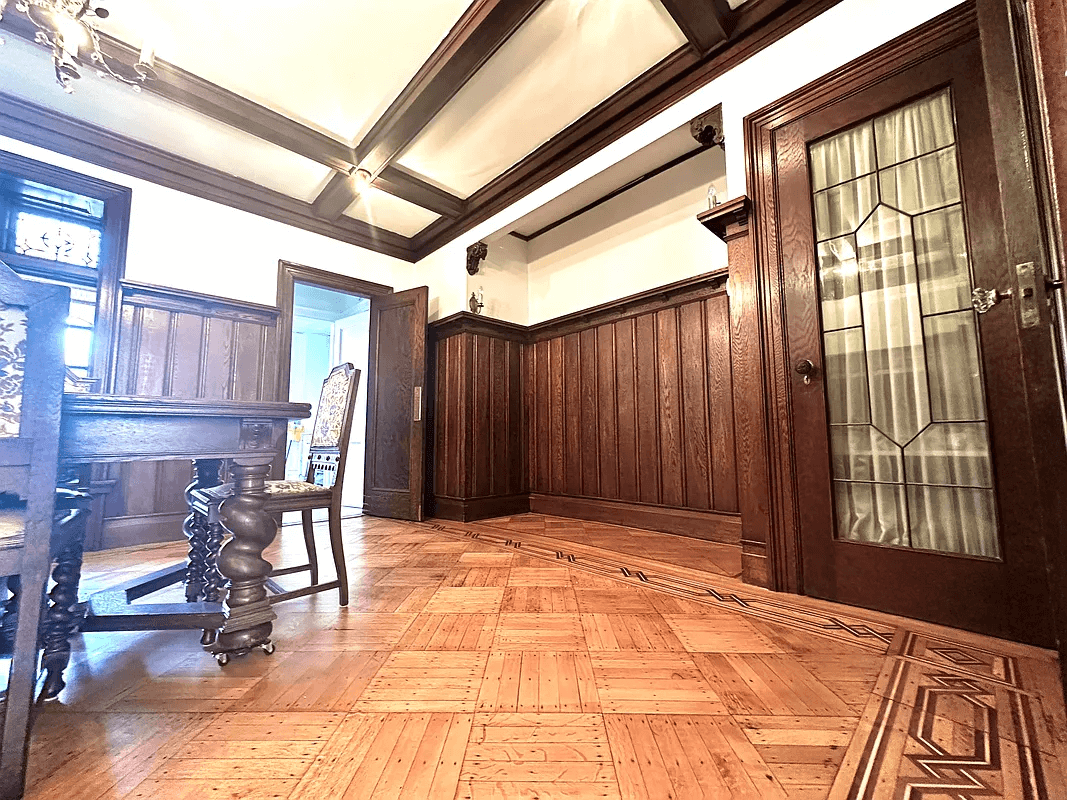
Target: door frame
[(289, 274), (777, 482)]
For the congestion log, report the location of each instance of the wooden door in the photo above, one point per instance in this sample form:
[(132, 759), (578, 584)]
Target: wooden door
[(393, 483), (915, 479)]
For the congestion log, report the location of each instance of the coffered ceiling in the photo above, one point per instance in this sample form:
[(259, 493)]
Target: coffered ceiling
[(454, 109)]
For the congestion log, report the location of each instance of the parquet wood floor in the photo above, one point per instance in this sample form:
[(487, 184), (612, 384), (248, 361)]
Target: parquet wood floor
[(533, 657)]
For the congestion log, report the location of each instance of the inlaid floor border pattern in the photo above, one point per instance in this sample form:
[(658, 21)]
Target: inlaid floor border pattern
[(935, 725), (665, 578), (522, 657)]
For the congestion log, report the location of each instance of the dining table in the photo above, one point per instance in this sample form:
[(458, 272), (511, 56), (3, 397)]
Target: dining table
[(225, 584)]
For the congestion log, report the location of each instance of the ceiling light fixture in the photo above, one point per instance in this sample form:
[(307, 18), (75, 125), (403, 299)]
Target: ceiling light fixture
[(361, 178), (68, 28)]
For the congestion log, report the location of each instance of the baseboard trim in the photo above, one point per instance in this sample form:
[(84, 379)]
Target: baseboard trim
[(755, 568), (141, 529), (709, 525), (474, 508)]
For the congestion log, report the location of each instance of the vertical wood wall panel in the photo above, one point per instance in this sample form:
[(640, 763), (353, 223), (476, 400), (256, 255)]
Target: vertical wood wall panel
[(556, 413), (696, 448), (607, 412), (721, 402), (648, 469), (626, 409), (179, 344), (632, 410), (483, 407), (572, 380)]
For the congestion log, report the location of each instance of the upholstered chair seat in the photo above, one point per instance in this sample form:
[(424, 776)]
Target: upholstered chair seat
[(322, 485)]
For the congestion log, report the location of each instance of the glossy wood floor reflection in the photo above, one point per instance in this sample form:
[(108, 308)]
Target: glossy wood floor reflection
[(530, 657)]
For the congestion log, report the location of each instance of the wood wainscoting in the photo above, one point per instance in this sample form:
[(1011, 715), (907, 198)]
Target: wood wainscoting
[(172, 343), (477, 419), (622, 413)]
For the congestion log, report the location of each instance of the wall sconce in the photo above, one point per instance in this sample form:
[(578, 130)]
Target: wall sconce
[(475, 303), (475, 254)]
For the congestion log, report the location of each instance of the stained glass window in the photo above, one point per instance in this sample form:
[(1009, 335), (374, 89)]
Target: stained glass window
[(909, 438)]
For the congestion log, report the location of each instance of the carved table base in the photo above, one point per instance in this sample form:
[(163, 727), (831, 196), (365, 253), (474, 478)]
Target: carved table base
[(249, 615)]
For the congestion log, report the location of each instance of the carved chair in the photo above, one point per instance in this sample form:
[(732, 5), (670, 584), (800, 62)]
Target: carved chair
[(32, 321), (321, 487)]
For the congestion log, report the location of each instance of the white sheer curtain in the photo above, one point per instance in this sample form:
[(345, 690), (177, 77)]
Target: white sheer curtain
[(909, 441)]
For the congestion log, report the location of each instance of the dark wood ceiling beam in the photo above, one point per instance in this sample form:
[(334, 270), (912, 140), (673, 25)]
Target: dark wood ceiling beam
[(337, 195), (480, 32), (409, 186), (757, 25), (62, 134), (705, 23)]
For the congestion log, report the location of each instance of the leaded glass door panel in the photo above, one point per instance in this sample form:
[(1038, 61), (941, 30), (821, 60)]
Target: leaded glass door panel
[(911, 483)]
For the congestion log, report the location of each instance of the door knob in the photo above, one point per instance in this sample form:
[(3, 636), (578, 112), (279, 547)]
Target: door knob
[(984, 299), (806, 368)]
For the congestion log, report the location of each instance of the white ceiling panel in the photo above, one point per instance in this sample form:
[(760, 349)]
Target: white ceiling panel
[(390, 212), (334, 65), (662, 151), (148, 119), (569, 57)]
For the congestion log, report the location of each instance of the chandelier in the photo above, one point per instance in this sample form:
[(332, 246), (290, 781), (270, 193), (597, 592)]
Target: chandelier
[(68, 28)]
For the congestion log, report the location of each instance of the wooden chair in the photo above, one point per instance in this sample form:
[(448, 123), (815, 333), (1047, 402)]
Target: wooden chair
[(32, 321), (321, 487)]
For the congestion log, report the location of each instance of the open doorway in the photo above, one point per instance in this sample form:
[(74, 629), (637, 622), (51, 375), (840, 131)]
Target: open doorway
[(325, 321), (329, 328)]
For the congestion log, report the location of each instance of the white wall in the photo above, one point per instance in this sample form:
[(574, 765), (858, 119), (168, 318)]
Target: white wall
[(502, 280), (185, 242), (845, 32), (648, 236)]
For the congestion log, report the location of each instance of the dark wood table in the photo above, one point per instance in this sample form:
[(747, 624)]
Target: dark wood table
[(99, 428)]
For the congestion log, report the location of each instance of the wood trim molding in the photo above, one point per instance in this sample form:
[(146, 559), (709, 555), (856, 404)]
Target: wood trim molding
[(469, 509), (710, 525), (674, 162), (666, 296), (774, 522), (179, 300), (705, 23), (466, 322), (757, 26), (479, 33), (288, 275), (46, 128), (728, 220)]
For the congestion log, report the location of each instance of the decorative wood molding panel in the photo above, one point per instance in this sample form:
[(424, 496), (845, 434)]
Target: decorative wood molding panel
[(477, 418), (632, 404), (621, 413), (172, 343), (729, 222)]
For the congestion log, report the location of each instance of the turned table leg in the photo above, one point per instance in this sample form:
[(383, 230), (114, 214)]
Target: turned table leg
[(248, 612), (196, 528), (61, 619)]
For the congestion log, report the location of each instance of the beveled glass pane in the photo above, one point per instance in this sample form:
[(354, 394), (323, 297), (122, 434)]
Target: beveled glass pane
[(839, 284), (842, 157), (841, 209), (941, 257), (920, 127), (920, 185), (951, 454), (892, 326), (846, 376), (954, 520), (956, 391), (871, 512), (862, 453)]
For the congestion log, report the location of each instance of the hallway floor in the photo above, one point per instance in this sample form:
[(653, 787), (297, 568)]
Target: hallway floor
[(532, 657)]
